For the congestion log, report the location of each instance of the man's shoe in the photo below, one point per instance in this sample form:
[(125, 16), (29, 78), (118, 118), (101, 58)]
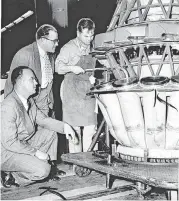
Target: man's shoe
[(60, 172), (7, 180), (55, 170), (54, 178), (55, 173)]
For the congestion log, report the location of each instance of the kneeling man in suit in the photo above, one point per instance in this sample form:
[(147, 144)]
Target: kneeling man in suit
[(26, 152)]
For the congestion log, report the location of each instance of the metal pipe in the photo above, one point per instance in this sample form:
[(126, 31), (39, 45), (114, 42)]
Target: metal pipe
[(96, 136), (17, 21), (116, 67)]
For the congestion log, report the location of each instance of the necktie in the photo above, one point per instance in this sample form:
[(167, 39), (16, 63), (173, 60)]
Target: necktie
[(48, 70), (29, 106)]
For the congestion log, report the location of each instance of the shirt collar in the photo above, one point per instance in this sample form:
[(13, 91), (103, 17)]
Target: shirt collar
[(81, 46), (41, 51), (23, 100)]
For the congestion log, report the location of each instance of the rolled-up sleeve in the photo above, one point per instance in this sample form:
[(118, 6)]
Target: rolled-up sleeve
[(62, 60)]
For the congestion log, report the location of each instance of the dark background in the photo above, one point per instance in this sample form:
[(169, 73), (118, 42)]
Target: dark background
[(100, 11)]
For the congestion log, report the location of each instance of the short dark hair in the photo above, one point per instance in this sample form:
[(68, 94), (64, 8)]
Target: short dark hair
[(17, 73), (85, 23), (44, 30)]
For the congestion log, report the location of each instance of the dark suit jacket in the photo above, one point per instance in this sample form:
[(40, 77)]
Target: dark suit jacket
[(29, 56), (17, 126)]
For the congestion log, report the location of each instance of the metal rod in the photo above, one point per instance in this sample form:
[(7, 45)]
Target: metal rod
[(17, 21), (130, 69), (163, 9), (139, 69), (139, 10), (170, 59), (169, 9), (96, 136), (35, 5), (127, 13), (107, 135), (167, 48), (161, 63), (108, 176), (115, 16), (96, 69), (116, 66), (146, 10), (148, 62)]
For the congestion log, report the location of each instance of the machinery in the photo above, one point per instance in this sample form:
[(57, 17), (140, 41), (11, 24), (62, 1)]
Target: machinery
[(140, 46), (140, 96)]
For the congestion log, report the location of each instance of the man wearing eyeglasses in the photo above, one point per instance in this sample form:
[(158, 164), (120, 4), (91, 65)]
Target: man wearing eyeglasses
[(39, 56)]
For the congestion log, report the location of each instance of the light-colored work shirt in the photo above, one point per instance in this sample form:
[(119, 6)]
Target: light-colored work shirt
[(78, 108), (70, 54)]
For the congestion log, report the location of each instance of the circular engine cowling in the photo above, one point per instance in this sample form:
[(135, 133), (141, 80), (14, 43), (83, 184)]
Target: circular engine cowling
[(143, 37)]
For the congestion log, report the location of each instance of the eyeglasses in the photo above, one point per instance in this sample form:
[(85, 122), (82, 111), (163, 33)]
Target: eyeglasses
[(55, 40)]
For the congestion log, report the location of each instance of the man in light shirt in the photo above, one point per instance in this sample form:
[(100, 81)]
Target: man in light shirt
[(28, 153), (72, 61), (39, 56)]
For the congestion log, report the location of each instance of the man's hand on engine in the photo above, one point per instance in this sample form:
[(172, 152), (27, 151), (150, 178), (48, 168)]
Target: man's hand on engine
[(70, 134), (92, 79)]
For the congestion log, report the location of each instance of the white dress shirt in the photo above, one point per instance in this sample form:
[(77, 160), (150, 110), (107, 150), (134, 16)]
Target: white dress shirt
[(24, 101)]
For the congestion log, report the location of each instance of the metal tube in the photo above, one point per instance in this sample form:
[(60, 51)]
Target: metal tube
[(96, 136), (20, 19)]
